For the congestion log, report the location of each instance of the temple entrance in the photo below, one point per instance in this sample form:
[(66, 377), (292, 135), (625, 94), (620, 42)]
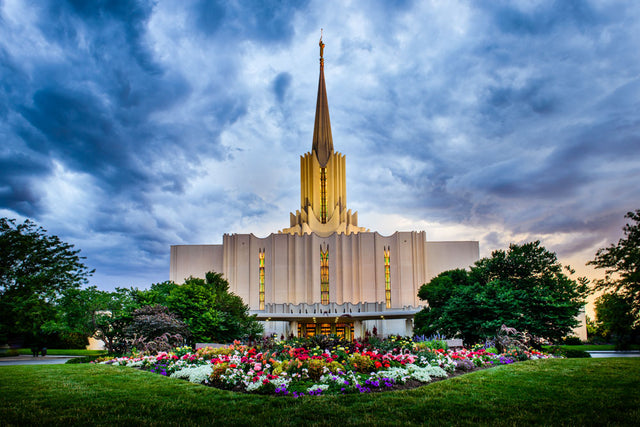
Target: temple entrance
[(343, 330)]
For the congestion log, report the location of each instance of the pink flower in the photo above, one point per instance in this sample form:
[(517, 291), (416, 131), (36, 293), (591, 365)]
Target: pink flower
[(257, 367)]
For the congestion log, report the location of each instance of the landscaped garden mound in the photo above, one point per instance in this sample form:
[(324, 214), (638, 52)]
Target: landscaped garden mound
[(318, 367)]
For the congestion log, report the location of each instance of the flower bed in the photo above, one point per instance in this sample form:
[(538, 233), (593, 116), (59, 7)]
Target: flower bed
[(287, 368)]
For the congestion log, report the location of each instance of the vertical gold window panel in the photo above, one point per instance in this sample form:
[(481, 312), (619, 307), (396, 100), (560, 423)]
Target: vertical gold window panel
[(323, 195), (324, 275), (387, 275), (261, 272)]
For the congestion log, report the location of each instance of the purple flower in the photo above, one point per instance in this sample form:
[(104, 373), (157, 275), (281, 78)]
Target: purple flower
[(282, 389)]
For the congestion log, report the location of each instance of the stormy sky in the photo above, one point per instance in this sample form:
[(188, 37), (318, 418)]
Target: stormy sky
[(129, 126)]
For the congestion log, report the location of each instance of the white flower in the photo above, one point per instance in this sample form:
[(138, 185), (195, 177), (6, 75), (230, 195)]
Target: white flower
[(315, 387), (197, 374)]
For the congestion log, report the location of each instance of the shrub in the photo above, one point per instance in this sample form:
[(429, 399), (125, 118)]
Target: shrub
[(73, 340), (568, 353), (362, 363), (434, 344), (155, 329), (335, 367), (509, 338), (516, 353), (165, 343), (84, 359), (218, 370), (316, 369), (211, 352), (465, 365), (12, 352), (326, 342), (571, 341)]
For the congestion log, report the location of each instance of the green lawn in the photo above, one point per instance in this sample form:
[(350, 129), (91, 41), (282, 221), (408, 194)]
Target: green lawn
[(593, 347), (556, 391), (69, 352)]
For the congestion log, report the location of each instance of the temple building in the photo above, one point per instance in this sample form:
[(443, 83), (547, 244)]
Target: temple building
[(324, 274)]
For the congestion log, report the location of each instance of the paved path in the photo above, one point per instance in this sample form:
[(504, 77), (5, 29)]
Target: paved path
[(30, 360), (599, 354)]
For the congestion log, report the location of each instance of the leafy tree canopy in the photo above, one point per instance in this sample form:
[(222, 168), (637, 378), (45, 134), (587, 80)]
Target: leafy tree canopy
[(621, 263), (524, 288), (614, 318), (156, 294), (212, 313), (35, 269)]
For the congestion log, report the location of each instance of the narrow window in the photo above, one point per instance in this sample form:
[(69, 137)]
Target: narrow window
[(261, 270), (324, 275), (387, 275), (323, 195)]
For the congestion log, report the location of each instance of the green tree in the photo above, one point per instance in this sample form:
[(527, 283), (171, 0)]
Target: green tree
[(594, 332), (77, 310), (156, 294), (524, 288), (615, 319), (622, 265), (35, 269), (113, 319), (212, 313)]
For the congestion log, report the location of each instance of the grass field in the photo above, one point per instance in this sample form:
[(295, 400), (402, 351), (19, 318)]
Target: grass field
[(594, 347), (70, 352), (555, 391)]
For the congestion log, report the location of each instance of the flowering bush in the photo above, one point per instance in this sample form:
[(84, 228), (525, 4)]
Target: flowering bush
[(289, 368)]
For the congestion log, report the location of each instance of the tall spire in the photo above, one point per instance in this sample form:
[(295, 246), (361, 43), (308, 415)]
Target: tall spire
[(322, 140)]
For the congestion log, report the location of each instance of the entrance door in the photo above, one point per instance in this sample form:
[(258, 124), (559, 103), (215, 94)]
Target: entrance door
[(308, 330)]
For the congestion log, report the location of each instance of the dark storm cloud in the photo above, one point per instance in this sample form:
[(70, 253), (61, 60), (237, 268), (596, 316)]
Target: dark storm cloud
[(77, 129), (93, 111), (151, 120), (100, 103), (545, 17), (263, 22), (114, 24), (535, 96), (280, 85), (547, 141), (16, 173)]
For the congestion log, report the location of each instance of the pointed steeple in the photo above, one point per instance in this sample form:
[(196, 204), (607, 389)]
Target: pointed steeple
[(323, 185), (322, 140)]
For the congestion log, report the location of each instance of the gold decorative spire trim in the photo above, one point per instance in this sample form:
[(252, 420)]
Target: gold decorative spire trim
[(322, 139), (321, 50)]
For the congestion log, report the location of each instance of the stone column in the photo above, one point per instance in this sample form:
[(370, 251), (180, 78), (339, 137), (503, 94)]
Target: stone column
[(293, 328), (408, 327), (357, 329)]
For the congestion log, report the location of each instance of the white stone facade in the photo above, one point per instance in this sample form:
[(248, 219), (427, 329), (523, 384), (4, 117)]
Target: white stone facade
[(356, 271)]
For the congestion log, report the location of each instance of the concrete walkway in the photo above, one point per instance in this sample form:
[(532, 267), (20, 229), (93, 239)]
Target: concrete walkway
[(30, 360), (599, 354)]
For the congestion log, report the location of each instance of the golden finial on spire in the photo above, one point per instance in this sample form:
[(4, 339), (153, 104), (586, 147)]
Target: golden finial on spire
[(321, 48)]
